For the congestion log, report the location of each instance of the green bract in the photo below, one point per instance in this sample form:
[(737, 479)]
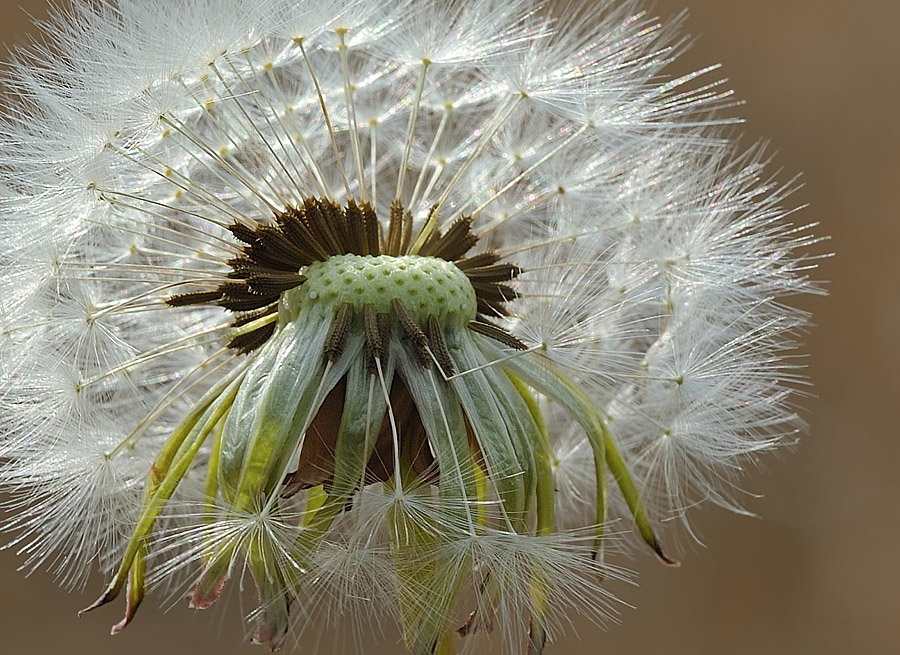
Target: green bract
[(371, 333)]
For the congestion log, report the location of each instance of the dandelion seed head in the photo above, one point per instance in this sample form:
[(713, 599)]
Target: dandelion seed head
[(389, 311)]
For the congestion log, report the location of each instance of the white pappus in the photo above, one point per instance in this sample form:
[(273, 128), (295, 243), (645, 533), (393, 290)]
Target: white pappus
[(398, 301)]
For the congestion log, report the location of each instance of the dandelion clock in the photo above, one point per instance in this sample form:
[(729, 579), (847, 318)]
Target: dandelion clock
[(396, 313)]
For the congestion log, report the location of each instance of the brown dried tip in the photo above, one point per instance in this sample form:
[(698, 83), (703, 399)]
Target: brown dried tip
[(474, 623), (668, 561), (204, 596), (130, 611), (537, 638), (108, 596)]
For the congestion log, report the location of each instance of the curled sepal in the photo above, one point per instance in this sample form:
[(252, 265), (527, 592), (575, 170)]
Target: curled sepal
[(361, 419), (135, 590), (412, 537), (502, 439), (537, 638), (212, 580), (166, 473), (264, 433), (273, 615), (284, 388), (544, 376), (546, 520), (432, 552), (544, 484), (527, 424), (626, 484)]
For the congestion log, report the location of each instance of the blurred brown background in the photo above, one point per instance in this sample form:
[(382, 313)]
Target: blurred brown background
[(817, 573)]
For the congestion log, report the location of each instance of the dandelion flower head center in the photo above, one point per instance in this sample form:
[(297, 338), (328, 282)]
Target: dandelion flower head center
[(429, 286)]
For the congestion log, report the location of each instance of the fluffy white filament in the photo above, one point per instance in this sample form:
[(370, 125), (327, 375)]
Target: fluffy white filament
[(655, 253)]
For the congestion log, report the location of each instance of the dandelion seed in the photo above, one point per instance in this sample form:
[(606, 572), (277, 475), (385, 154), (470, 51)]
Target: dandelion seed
[(390, 307)]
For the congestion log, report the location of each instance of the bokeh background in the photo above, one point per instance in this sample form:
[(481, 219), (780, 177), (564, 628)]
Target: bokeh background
[(817, 572)]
